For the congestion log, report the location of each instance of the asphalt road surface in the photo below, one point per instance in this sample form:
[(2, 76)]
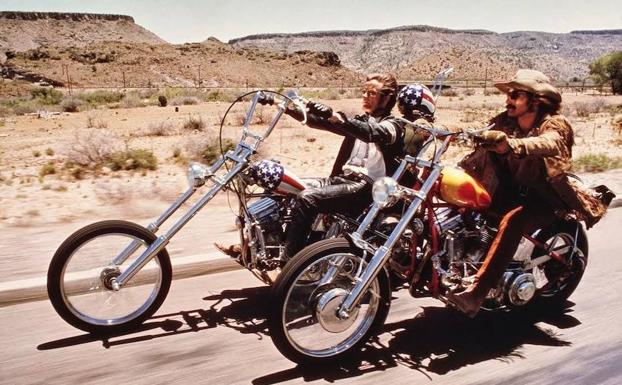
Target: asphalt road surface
[(212, 330)]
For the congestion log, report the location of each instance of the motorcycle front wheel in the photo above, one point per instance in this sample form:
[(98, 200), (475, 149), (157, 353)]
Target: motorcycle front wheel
[(303, 320), (81, 271)]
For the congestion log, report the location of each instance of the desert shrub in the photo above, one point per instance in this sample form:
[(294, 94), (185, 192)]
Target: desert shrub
[(207, 149), (93, 122), (222, 96), (49, 151), (616, 123), (101, 97), (164, 128), (71, 104), (36, 153), (74, 170), (469, 92), (48, 96), (585, 109), (184, 101), (23, 108), (596, 163), (91, 148), (194, 123), (132, 101), (4, 111), (147, 93), (449, 92), (47, 169), (162, 101), (132, 159)]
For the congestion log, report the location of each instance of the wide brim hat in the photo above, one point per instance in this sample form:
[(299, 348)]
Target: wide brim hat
[(531, 81)]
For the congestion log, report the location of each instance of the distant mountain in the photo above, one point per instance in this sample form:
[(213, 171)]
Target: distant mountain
[(209, 64), (92, 50), (21, 31), (421, 51)]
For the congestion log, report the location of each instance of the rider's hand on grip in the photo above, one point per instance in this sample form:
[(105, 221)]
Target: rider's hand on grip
[(265, 98), (321, 110), (493, 140)]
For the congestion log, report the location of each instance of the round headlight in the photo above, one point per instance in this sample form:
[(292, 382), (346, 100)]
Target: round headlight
[(383, 189), (197, 173)]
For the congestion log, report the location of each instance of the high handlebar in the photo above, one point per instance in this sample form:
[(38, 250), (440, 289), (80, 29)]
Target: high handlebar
[(439, 132)]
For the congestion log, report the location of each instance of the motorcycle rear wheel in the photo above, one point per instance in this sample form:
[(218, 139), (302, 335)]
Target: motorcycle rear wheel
[(302, 319), (80, 273), (562, 280)]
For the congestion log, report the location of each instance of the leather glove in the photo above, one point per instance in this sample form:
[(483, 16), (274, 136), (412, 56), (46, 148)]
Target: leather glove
[(494, 140), (320, 110), (266, 99)]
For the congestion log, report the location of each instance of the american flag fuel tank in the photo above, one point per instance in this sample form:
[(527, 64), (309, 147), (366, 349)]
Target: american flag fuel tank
[(274, 177)]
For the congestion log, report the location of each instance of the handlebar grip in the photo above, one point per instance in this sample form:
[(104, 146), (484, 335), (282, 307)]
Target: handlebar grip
[(265, 99)]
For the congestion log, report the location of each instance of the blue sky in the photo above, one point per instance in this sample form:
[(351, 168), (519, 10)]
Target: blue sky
[(181, 21)]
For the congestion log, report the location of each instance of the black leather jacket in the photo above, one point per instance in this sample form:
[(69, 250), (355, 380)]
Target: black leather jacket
[(368, 130)]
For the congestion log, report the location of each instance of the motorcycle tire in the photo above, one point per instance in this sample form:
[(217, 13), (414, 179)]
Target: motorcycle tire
[(556, 297), (300, 280), (76, 279)]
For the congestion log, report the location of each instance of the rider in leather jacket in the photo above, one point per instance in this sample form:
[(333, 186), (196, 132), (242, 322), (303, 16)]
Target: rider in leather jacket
[(371, 143)]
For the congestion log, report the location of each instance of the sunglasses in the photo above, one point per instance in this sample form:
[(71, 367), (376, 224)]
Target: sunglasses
[(371, 93), (514, 94)]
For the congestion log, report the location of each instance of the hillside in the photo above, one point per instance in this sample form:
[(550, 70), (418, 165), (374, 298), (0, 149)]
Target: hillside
[(420, 51), (210, 64)]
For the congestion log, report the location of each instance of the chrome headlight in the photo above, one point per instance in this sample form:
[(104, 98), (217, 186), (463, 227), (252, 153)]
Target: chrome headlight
[(197, 174), (385, 191)]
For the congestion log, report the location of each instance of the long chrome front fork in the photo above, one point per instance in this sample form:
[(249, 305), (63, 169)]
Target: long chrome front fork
[(382, 254), (240, 159), (163, 240)]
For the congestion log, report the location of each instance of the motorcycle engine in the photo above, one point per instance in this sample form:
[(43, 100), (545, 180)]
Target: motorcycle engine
[(467, 236), (267, 217)]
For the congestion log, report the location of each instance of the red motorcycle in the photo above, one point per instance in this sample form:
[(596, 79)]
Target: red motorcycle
[(432, 236)]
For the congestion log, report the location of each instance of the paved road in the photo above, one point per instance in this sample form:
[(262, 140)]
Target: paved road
[(212, 330)]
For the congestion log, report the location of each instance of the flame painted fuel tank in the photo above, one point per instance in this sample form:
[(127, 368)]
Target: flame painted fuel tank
[(459, 188)]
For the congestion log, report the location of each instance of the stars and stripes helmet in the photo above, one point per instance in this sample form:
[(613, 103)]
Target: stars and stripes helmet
[(416, 100)]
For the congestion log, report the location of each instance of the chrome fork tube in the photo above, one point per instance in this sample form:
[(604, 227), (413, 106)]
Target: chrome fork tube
[(382, 254), (154, 226), (163, 240)]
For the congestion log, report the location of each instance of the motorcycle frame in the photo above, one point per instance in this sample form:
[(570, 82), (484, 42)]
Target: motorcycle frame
[(422, 198), (248, 144)]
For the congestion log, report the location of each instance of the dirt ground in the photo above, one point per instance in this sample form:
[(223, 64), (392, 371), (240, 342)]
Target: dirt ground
[(38, 213)]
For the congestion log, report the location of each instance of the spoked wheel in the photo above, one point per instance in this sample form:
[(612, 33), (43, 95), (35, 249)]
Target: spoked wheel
[(555, 280), (304, 321), (81, 278)]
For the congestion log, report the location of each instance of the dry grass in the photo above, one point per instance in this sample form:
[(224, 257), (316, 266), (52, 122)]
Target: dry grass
[(91, 148)]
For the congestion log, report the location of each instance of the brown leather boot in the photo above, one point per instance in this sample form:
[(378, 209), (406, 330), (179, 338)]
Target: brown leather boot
[(234, 251), (469, 301)]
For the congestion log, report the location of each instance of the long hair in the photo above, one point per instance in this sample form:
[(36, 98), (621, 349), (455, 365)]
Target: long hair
[(388, 89)]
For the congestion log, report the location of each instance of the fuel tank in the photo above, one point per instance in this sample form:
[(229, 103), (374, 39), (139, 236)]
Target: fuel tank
[(273, 177), (459, 188)]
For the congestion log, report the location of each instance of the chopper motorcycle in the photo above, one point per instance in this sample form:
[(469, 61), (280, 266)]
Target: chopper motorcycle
[(113, 275), (335, 294)]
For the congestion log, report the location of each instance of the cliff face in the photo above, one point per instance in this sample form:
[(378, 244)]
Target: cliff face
[(31, 16), (21, 31), (421, 51)]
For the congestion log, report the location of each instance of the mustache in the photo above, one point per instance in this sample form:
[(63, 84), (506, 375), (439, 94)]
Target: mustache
[(510, 107)]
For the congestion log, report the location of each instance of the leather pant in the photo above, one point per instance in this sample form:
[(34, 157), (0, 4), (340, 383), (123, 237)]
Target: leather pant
[(342, 194), (520, 215)]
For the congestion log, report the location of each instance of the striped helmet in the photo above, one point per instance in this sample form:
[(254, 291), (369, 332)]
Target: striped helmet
[(416, 100)]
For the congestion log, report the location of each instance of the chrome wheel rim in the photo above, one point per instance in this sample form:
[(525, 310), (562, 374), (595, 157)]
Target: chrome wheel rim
[(309, 319), (85, 282)]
